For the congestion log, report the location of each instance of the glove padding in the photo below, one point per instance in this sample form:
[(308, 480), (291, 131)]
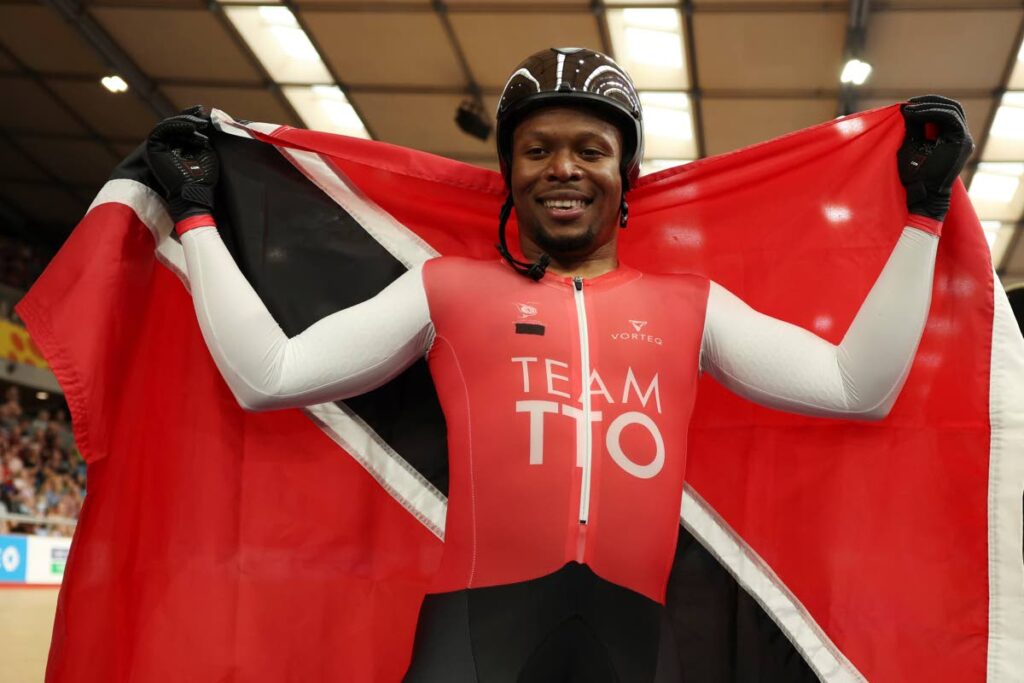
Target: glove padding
[(184, 162), (935, 148)]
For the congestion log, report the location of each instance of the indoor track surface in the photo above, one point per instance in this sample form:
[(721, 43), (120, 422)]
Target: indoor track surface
[(26, 619)]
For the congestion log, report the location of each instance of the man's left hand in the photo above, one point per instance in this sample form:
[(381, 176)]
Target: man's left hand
[(935, 148)]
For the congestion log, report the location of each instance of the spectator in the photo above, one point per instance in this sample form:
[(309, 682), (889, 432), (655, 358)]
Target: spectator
[(41, 472)]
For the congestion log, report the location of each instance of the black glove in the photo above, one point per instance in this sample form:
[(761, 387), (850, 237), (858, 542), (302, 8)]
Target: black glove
[(935, 148), (184, 162)]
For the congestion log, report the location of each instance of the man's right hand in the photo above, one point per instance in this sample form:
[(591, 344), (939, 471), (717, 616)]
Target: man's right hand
[(184, 163)]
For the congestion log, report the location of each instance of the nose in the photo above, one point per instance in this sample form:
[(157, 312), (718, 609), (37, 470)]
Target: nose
[(562, 166)]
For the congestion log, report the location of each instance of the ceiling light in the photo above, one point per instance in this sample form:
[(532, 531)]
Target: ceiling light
[(855, 72), (1009, 119), (646, 17), (994, 187), (667, 114), (991, 229), (654, 165), (650, 46), (657, 48), (42, 395), (652, 37), (325, 107), (114, 84), (295, 43), (278, 16), (274, 35)]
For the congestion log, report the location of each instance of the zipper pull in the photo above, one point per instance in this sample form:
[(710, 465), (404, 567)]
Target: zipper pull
[(578, 281)]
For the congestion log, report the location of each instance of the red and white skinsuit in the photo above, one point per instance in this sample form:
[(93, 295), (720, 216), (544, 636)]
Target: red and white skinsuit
[(567, 401)]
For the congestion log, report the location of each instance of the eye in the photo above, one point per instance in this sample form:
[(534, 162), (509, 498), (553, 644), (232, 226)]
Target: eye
[(591, 153)]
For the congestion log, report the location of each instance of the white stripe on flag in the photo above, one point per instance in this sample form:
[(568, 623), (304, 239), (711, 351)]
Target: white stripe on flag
[(223, 122), (152, 211), (393, 472), (757, 578), (1005, 493), (401, 242)]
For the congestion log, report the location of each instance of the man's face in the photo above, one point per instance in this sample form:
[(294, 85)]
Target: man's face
[(566, 181)]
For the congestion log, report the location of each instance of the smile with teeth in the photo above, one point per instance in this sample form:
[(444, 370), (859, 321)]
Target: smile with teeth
[(565, 203)]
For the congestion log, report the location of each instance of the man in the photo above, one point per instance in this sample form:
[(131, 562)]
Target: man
[(567, 392)]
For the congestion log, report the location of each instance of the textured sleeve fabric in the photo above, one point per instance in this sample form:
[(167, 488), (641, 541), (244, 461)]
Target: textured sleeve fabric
[(344, 354), (783, 366)]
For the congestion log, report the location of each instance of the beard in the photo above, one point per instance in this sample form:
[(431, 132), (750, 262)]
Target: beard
[(558, 244)]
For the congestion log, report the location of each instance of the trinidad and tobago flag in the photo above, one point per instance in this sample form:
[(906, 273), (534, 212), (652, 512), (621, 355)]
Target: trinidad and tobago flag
[(220, 545)]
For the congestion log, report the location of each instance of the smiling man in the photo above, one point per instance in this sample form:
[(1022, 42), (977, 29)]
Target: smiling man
[(567, 379)]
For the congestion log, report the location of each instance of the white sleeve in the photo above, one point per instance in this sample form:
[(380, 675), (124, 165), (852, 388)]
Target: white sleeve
[(344, 354), (783, 366)]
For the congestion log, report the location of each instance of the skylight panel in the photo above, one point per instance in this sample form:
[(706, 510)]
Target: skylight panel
[(278, 41), (654, 165), (648, 43), (668, 124), (325, 107), (996, 191)]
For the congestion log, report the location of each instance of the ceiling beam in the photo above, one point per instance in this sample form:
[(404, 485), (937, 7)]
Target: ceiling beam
[(686, 10), (895, 94), (268, 83), (982, 140), (600, 12), (79, 194), (342, 85), (96, 36), (472, 88), (536, 6), (1015, 240), (856, 37), (24, 71)]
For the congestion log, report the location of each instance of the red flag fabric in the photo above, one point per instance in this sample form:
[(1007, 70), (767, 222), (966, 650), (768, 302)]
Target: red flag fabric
[(220, 545)]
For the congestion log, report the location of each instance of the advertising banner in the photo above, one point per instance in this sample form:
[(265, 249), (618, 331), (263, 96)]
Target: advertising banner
[(36, 560), (47, 556), (13, 559)]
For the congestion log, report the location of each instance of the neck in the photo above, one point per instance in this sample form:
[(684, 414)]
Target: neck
[(599, 261)]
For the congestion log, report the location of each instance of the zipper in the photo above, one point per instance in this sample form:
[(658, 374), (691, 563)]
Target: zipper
[(581, 316)]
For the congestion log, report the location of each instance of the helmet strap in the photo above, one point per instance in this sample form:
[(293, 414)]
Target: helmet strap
[(623, 213), (535, 270)]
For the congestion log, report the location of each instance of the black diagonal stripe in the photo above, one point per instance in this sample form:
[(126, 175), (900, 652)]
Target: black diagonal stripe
[(722, 633), (307, 258)]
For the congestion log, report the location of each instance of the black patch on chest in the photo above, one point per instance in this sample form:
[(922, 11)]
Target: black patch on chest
[(529, 328)]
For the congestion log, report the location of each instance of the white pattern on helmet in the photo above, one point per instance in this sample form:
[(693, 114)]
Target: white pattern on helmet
[(561, 61), (524, 73), (599, 70)]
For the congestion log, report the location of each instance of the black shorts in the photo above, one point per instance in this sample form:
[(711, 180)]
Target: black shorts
[(567, 627)]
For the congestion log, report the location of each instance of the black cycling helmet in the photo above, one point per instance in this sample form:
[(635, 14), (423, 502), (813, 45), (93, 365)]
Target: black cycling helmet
[(571, 76)]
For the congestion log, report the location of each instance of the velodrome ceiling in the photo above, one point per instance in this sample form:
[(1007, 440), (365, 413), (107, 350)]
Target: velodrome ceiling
[(717, 75)]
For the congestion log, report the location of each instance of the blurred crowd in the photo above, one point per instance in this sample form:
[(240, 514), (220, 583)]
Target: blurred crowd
[(41, 471), (20, 263)]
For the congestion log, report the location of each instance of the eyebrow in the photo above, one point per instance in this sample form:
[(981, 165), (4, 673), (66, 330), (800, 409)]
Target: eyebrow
[(542, 134)]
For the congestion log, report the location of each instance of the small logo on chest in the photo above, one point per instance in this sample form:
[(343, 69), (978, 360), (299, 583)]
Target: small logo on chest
[(527, 322), (637, 334)]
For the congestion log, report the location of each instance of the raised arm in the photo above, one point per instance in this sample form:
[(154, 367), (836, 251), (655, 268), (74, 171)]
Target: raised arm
[(345, 354), (789, 368)]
